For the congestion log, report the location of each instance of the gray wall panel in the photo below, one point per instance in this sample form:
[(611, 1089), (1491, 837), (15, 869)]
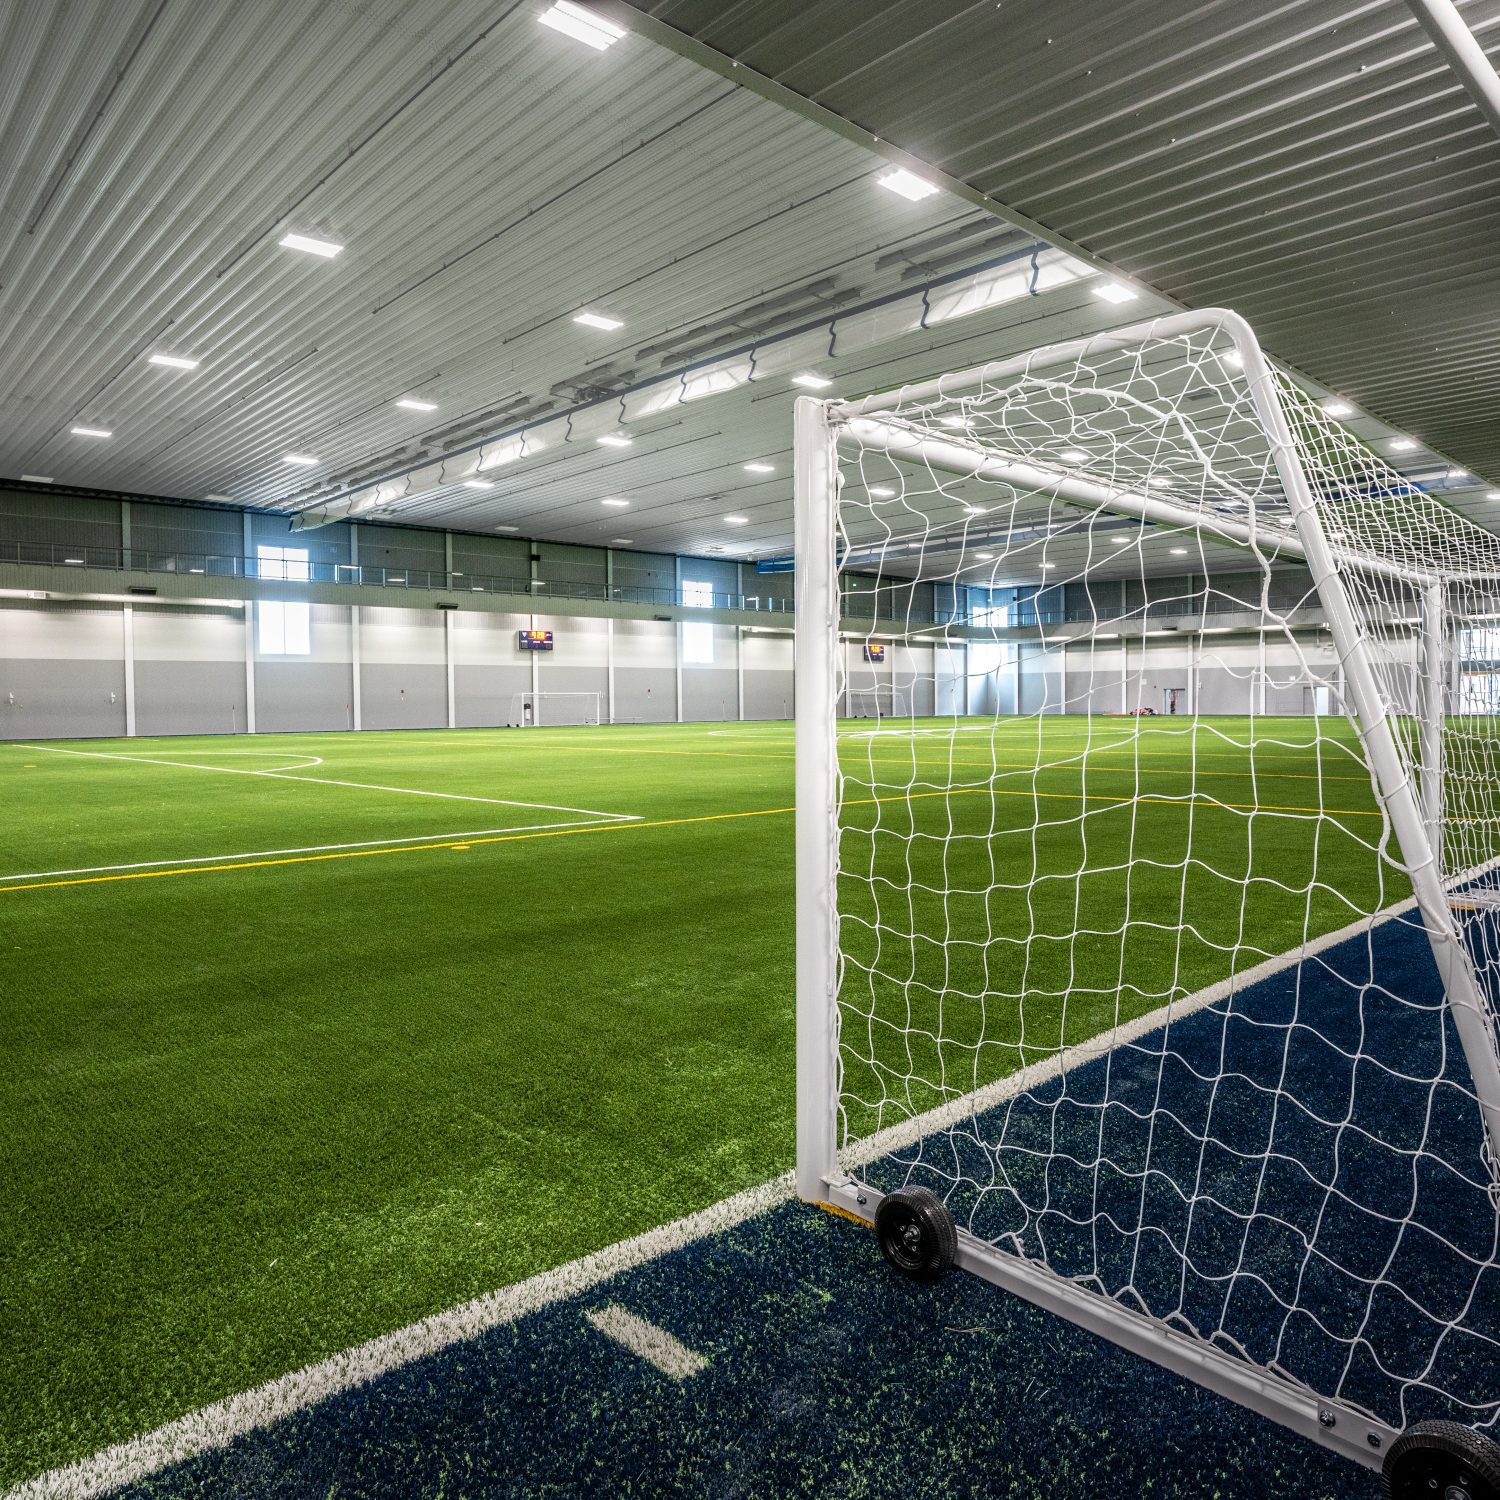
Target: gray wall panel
[(298, 694), (65, 700), (768, 695), (404, 697), (709, 693), (189, 697), (645, 695)]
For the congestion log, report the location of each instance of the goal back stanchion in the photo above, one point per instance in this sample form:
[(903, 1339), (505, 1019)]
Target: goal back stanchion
[(1162, 1011), (554, 709)]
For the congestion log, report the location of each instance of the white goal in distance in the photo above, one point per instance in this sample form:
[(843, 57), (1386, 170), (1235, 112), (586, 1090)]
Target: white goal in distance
[(551, 710), (1189, 1019)]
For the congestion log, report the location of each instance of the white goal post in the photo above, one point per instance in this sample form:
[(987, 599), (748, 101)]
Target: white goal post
[(551, 710), (881, 700), (1150, 971)]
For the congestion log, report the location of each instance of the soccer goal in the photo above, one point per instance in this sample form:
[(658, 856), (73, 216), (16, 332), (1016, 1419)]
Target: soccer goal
[(552, 710), (1156, 981), (881, 701)]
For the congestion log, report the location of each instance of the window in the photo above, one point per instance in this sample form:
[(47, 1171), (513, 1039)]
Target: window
[(285, 625), (698, 640)]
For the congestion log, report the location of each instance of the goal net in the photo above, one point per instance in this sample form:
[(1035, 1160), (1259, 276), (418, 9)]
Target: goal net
[(554, 709), (1166, 954)]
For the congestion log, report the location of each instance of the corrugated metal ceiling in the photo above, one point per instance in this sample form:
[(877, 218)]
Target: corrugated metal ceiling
[(490, 177), (1311, 163)]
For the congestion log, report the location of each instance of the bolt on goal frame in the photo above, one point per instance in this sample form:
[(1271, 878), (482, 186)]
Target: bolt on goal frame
[(1116, 1102)]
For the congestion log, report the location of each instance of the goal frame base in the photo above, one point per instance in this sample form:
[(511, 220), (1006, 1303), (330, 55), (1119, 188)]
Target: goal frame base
[(1333, 1424)]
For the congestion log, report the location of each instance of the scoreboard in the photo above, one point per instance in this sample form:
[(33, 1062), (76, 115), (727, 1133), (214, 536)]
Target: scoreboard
[(535, 640), (874, 653)]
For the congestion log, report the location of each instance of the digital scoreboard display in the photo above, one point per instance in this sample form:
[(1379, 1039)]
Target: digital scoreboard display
[(874, 653), (536, 640)]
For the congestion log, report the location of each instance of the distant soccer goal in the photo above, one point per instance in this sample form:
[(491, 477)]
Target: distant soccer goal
[(1155, 977), (879, 701), (552, 710)]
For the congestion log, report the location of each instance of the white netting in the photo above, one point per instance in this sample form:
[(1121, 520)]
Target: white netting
[(550, 710), (1087, 986)]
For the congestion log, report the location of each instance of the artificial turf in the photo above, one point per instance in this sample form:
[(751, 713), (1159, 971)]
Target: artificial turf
[(267, 1105)]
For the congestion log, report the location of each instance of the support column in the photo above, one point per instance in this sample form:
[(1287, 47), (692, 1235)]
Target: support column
[(739, 671), (448, 617), (609, 669), (129, 633), (126, 556), (356, 670), (249, 665), (677, 634), (447, 559)]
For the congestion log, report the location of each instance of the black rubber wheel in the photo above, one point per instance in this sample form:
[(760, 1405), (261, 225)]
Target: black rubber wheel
[(917, 1234), (1442, 1461)]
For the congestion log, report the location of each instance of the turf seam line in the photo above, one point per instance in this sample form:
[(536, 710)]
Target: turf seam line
[(647, 1341), (215, 1426)]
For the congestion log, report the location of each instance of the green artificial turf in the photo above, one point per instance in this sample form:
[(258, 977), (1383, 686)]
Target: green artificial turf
[(268, 1105)]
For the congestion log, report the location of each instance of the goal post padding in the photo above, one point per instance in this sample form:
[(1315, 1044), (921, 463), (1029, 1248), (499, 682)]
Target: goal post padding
[(1157, 519)]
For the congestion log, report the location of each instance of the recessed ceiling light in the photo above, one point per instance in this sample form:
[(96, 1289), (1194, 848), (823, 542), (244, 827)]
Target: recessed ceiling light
[(616, 440), (306, 460), (736, 520), (77, 562), (1049, 565), (1337, 409), (326, 248), (1234, 359), (47, 479), (615, 501), (881, 492), (974, 510), (582, 25), (1073, 456), (953, 421), (195, 570), (173, 361), (598, 320), (1403, 445), (1492, 495), (507, 528), (1115, 291), (479, 484), (985, 556), (1119, 541), (811, 381), (1456, 474), (410, 403), (92, 431), (1179, 551), (908, 184), (216, 497), (758, 468), (622, 541)]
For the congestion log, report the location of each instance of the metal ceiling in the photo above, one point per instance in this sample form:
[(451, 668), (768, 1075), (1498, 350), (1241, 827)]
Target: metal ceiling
[(490, 177), (1313, 164)]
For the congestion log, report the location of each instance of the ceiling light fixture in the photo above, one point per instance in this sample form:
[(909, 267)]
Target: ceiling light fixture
[(47, 479), (1403, 445), (623, 541), (410, 403), (479, 484), (326, 248), (1492, 495), (759, 468), (1179, 551), (1119, 541), (1073, 456), (615, 501), (1337, 409), (306, 460), (598, 320), (736, 520), (582, 25), (173, 361), (1456, 474), (1049, 565), (811, 381), (91, 431), (908, 185), (1115, 291), (881, 492), (507, 528), (985, 556), (616, 440)]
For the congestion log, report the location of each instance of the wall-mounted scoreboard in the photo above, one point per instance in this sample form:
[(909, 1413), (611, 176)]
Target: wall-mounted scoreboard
[(535, 640), (874, 653)]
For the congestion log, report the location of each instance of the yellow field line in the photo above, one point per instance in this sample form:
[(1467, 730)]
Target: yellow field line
[(763, 812)]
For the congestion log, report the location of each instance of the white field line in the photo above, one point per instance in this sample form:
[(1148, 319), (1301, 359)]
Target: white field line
[(216, 1426), (367, 786), (654, 1345), (214, 859)]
